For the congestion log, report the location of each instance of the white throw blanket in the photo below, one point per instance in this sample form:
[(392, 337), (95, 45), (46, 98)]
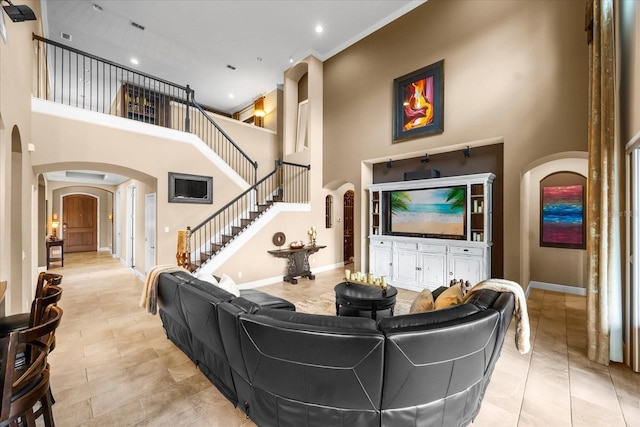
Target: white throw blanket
[(522, 315), (149, 297)]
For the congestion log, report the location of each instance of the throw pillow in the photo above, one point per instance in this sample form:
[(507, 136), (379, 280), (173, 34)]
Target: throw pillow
[(451, 296), (423, 302), (229, 285), (207, 278)]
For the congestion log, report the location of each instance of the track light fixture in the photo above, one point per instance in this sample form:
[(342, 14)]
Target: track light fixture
[(425, 159), (466, 152), (18, 13), (389, 164)]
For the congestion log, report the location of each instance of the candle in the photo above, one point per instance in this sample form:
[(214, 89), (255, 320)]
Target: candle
[(383, 281), (347, 273), (370, 279)]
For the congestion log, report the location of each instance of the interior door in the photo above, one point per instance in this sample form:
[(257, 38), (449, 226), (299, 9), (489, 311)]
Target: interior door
[(80, 223), (149, 231), (348, 225), (117, 225), (131, 227)]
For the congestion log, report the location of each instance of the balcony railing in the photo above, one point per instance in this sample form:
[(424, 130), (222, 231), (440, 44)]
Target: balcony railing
[(69, 76)]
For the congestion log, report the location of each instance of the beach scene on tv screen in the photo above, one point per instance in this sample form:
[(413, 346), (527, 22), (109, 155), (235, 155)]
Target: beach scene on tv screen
[(433, 211)]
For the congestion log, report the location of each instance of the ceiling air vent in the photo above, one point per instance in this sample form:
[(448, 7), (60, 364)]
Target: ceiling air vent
[(136, 25), (231, 67), (65, 36), (85, 175)]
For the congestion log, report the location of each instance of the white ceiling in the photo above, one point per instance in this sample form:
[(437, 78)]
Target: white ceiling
[(192, 41)]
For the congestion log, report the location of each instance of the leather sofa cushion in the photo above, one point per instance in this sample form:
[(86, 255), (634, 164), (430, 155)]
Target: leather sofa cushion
[(302, 321), (418, 321), (483, 299), (243, 305), (265, 300), (311, 361)]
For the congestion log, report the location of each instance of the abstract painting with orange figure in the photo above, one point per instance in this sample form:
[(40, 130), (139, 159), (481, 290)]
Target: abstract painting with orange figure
[(418, 103)]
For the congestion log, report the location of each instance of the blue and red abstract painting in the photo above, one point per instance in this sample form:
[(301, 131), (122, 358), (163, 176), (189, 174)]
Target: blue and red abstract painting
[(562, 221)]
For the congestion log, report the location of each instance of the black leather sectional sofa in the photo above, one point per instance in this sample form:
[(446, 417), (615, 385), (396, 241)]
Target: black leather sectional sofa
[(285, 368)]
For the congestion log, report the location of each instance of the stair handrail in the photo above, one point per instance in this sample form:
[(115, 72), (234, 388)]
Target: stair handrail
[(253, 163), (196, 240)]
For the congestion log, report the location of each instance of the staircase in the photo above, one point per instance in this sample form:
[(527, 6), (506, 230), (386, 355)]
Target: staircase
[(287, 183), (118, 90)]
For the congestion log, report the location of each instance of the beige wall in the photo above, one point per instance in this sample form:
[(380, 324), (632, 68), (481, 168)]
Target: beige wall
[(18, 254), (76, 143), (515, 70)]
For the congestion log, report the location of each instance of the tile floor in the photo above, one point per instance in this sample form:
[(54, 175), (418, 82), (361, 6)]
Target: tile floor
[(113, 365)]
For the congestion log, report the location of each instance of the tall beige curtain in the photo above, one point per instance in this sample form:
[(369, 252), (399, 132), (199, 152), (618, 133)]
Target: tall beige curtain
[(603, 239)]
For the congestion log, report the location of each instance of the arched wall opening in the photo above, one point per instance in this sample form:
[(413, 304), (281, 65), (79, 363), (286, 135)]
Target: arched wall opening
[(15, 291), (561, 269)]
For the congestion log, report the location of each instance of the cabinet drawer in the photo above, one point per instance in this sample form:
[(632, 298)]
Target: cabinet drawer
[(406, 246), (379, 242), (466, 250), (433, 248)]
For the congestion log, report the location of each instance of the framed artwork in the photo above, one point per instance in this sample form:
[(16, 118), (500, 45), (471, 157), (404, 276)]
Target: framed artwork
[(418, 103), (562, 216)]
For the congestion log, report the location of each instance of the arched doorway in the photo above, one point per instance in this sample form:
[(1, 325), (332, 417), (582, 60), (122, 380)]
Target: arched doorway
[(80, 223), (348, 206), (15, 188)]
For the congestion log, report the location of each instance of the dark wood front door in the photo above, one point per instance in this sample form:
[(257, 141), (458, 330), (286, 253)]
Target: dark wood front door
[(348, 226), (79, 223)]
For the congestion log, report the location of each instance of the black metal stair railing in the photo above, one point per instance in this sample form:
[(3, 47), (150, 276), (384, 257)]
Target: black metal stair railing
[(217, 139), (72, 77), (288, 182)]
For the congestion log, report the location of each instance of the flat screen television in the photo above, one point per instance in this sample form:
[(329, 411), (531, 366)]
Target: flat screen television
[(428, 212)]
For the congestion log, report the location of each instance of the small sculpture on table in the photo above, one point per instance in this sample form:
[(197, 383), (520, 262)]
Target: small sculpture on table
[(312, 236)]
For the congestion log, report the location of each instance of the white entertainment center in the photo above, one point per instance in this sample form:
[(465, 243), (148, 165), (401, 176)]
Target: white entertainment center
[(416, 260)]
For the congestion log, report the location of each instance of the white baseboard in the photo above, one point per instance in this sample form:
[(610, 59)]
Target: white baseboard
[(556, 288), (104, 249)]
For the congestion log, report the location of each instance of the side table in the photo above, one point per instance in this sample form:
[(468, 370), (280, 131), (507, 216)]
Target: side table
[(365, 298), (298, 262), (52, 244)]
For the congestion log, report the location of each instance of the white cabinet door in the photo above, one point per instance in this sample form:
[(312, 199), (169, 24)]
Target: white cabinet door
[(381, 260), (405, 267), (465, 268), (432, 270)]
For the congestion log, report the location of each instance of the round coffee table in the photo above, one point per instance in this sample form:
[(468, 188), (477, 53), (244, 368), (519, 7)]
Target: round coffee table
[(365, 297)]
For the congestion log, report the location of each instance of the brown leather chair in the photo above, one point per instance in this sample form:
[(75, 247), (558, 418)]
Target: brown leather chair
[(26, 385), (20, 321)]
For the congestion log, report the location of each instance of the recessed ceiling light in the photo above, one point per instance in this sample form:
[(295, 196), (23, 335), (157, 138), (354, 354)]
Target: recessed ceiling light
[(134, 61), (231, 95), (259, 59), (97, 7), (291, 60), (319, 29)]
